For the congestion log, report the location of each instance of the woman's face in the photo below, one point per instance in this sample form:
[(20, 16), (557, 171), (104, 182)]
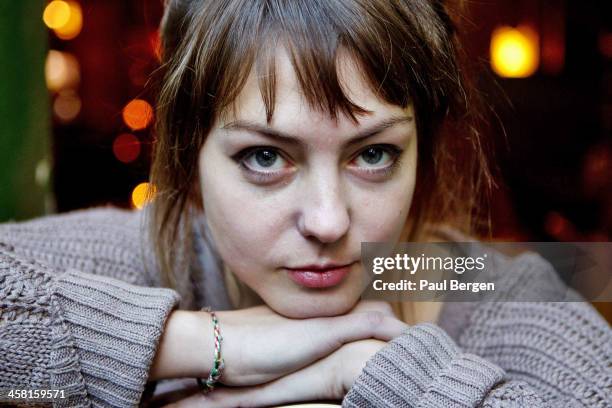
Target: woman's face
[(306, 190)]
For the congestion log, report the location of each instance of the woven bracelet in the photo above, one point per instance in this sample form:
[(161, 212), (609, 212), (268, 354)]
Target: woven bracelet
[(218, 364)]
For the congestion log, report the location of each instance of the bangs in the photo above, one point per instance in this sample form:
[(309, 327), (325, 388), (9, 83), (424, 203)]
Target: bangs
[(396, 56), (407, 52)]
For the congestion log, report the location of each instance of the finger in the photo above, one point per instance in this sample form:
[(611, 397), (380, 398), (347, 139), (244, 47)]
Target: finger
[(244, 397), (333, 332), (309, 384), (373, 324), (374, 306), (319, 337)]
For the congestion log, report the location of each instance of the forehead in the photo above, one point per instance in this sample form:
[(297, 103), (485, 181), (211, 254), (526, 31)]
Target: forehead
[(292, 110)]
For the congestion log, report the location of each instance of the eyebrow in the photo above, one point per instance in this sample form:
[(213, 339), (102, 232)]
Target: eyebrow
[(287, 138)]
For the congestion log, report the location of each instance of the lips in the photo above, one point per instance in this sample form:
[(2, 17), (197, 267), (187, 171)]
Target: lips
[(313, 276)]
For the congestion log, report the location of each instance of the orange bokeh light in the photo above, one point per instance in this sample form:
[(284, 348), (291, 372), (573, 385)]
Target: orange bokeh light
[(65, 18), (56, 14), (514, 51), (73, 26), (138, 114), (143, 194)]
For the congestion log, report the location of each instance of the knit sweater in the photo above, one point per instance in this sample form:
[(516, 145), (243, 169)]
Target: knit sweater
[(81, 310)]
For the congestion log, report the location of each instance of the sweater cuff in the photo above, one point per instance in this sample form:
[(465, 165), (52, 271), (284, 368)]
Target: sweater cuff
[(423, 367), (107, 336)]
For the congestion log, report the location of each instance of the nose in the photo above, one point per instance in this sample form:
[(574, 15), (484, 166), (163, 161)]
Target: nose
[(324, 211)]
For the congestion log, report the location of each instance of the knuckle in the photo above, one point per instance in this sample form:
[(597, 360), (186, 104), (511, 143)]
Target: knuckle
[(374, 318), (386, 308), (379, 305)]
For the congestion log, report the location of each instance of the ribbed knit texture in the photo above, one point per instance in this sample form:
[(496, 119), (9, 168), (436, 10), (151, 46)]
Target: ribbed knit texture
[(80, 311), (531, 354), (423, 366), (69, 319)]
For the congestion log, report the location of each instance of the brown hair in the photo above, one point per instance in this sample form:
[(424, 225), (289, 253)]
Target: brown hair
[(408, 52)]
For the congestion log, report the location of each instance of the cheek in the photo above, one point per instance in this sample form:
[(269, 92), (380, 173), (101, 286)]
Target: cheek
[(244, 237), (382, 214)]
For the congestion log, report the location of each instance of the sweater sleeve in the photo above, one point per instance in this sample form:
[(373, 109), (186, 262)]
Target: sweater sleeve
[(93, 336), (509, 354), (425, 368)]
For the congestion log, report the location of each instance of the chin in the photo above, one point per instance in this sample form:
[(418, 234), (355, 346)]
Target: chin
[(308, 305)]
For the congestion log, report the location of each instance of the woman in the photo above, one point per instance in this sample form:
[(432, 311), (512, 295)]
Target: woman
[(288, 133)]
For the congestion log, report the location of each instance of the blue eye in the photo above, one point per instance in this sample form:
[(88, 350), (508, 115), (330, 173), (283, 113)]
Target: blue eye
[(377, 156), (265, 159), (373, 155), (266, 164), (262, 164)]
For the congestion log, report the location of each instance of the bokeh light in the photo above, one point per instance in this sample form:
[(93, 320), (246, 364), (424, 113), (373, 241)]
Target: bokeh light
[(559, 227), (126, 147), (514, 52), (67, 105), (61, 70), (41, 173), (155, 41), (56, 14), (143, 194), (73, 26), (137, 114)]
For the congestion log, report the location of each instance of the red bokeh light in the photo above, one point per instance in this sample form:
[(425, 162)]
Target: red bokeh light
[(126, 147)]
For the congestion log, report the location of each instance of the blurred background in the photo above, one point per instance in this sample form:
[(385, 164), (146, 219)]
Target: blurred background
[(75, 112)]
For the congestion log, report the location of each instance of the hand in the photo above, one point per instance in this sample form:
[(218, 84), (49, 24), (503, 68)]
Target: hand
[(327, 379), (260, 345)]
